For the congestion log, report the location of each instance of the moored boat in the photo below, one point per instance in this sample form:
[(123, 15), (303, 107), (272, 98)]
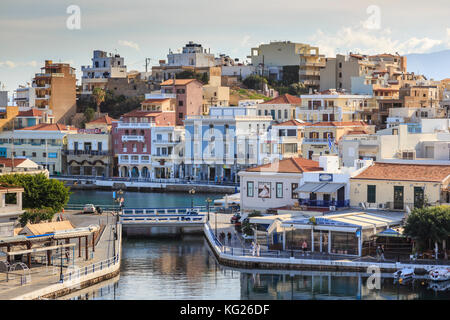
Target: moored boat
[(440, 274)]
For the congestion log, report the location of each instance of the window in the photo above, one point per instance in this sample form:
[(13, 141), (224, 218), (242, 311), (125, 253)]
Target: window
[(44, 155), (294, 186), (371, 193), (180, 115), (249, 188), (279, 189), (33, 154), (24, 153), (180, 103)]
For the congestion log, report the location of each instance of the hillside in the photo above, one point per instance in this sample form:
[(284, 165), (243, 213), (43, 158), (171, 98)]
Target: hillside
[(434, 65), (237, 94)]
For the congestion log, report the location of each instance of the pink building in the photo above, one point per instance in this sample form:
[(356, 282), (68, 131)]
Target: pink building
[(132, 136), (189, 97)]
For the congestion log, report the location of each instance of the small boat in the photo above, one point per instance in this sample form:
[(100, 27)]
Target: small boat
[(440, 274), (439, 286), (404, 273)]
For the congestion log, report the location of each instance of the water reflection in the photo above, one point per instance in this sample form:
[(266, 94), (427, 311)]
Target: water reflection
[(185, 269)]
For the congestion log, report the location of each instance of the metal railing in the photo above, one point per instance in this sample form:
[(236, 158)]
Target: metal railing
[(141, 218), (92, 268), (324, 203)]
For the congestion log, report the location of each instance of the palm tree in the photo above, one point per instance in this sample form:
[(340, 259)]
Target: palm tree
[(99, 95)]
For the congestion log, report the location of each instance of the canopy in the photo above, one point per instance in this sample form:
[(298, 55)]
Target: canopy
[(390, 233), (317, 187)]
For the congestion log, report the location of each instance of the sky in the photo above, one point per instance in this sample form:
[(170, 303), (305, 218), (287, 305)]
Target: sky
[(32, 31)]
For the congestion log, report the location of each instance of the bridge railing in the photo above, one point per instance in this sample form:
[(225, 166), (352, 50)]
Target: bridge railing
[(161, 218), (85, 270)]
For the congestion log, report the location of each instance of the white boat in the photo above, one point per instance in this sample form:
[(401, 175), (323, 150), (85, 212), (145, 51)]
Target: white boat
[(440, 274), (439, 286), (404, 273)]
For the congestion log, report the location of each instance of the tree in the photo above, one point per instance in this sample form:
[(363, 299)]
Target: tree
[(36, 215), (89, 114), (189, 74), (39, 191), (428, 224), (99, 95), (254, 81)]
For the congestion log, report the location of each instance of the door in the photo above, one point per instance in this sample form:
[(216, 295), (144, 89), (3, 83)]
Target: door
[(310, 154), (398, 197), (418, 197), (341, 197)]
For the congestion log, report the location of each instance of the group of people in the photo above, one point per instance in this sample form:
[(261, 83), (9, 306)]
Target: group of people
[(222, 236), (380, 253)]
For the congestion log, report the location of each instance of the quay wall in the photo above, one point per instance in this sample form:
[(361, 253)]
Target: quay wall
[(61, 289), (253, 262), (158, 231)]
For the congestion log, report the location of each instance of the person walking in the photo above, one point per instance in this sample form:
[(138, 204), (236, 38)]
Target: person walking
[(304, 246), (382, 252), (258, 249), (378, 251)]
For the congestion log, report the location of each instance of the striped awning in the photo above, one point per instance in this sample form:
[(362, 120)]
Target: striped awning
[(317, 187)]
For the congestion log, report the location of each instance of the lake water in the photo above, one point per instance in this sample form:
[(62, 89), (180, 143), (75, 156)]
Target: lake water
[(185, 268)]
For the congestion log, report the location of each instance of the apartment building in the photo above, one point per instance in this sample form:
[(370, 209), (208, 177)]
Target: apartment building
[(104, 67), (189, 97), (132, 136), (289, 138), (25, 97), (42, 143), (7, 116), (321, 138), (193, 57), (333, 105), (419, 142), (55, 89), (31, 117), (214, 94), (89, 151), (229, 139), (281, 108), (297, 62)]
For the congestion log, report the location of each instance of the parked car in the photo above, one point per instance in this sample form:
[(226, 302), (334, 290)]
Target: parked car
[(235, 218), (89, 208), (192, 212)]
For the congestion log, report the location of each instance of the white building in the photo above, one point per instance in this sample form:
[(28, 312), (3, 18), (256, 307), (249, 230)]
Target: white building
[(103, 67), (273, 185), (25, 97)]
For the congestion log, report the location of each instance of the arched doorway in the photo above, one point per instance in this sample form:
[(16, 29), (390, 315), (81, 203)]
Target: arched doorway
[(124, 172), (135, 172), (145, 172)]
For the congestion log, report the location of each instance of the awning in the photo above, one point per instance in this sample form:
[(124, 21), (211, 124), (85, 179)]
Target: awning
[(309, 187), (318, 187), (390, 233)]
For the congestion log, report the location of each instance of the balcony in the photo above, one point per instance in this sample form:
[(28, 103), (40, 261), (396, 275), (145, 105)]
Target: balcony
[(45, 97), (41, 86), (86, 152), (135, 125), (315, 141), (133, 138), (155, 141), (324, 203)]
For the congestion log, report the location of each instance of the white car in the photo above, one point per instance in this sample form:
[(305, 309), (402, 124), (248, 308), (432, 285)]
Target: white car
[(89, 208)]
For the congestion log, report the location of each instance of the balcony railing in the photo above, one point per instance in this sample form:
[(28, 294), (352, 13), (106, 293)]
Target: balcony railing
[(86, 152), (133, 138), (127, 125), (313, 140)]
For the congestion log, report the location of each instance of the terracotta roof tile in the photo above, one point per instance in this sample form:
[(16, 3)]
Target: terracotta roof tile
[(340, 124), (284, 99), (7, 162), (405, 172), (105, 119), (293, 123), (178, 82), (290, 165), (30, 113), (49, 127)]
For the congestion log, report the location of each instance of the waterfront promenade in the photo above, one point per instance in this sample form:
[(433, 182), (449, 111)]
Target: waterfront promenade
[(238, 253), (45, 280)]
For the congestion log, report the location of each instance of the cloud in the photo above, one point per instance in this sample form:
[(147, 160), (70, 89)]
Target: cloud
[(245, 40), (360, 39), (130, 44), (11, 64)]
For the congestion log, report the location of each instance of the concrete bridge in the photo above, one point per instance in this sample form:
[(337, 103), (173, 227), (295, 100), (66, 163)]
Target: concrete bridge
[(143, 224)]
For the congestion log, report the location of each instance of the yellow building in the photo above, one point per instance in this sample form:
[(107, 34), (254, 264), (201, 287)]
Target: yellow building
[(318, 136), (290, 136), (332, 105), (281, 108), (7, 117), (214, 94), (398, 185)]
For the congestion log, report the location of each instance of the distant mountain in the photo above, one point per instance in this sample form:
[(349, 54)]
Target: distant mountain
[(434, 65)]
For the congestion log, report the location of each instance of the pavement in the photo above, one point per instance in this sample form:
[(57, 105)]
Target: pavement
[(42, 276)]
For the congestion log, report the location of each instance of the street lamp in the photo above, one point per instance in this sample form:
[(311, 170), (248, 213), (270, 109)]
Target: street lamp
[(292, 240), (192, 192), (208, 202), (61, 276)]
